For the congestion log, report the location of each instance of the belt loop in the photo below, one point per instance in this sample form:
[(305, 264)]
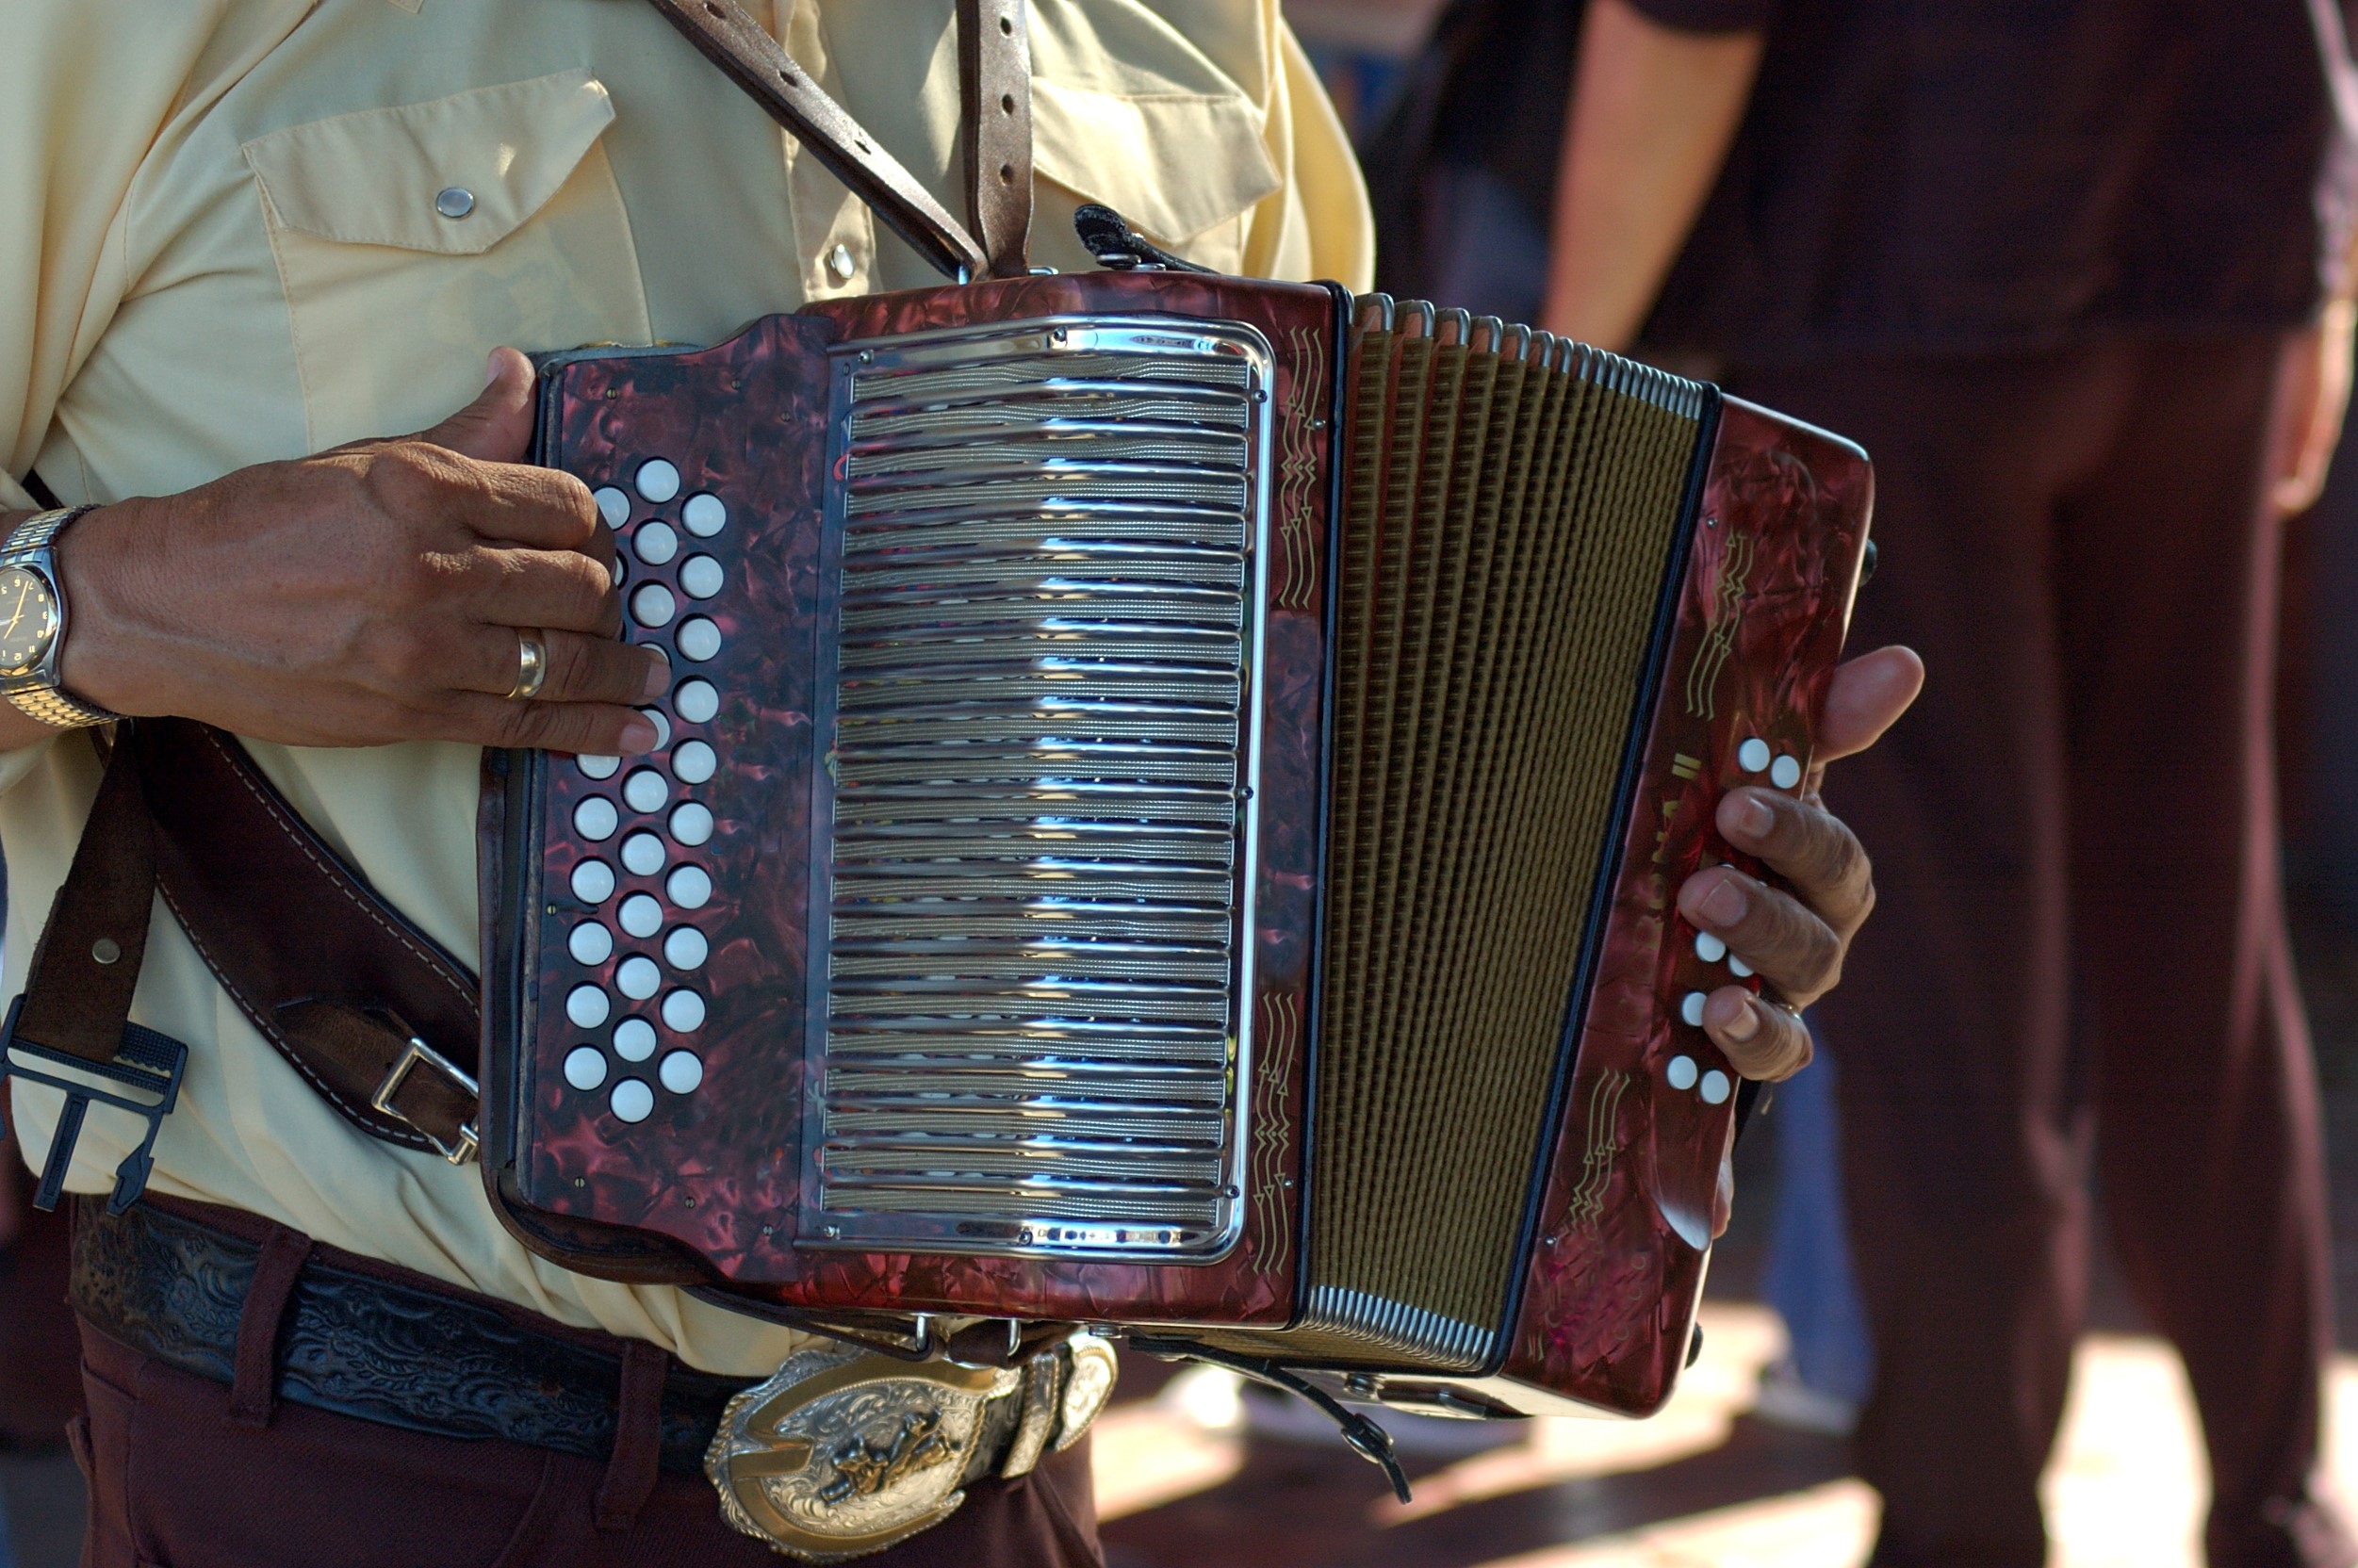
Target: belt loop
[(631, 1474), (253, 1391)]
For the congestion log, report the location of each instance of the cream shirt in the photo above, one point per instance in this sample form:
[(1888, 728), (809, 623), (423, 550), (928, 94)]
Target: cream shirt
[(218, 246)]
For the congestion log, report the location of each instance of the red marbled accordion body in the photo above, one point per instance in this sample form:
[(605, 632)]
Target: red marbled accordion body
[(706, 1185)]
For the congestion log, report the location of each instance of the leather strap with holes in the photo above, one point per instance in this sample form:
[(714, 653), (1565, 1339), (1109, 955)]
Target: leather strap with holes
[(751, 58), (995, 82), (77, 994)]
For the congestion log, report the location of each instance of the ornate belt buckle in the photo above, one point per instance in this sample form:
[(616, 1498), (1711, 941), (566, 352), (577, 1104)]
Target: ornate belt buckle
[(842, 1453)]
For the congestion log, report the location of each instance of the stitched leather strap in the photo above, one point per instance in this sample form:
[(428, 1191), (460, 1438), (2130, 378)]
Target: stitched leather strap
[(735, 42), (340, 982), (77, 994), (995, 80)]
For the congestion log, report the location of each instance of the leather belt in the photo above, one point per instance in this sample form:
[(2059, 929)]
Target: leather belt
[(839, 1454)]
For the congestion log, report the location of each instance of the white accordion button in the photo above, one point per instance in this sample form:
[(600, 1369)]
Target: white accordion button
[(1681, 1073), (634, 1039), (1785, 772), (612, 505), (1715, 1087), (658, 481), (643, 854), (590, 943), (586, 1006), (1738, 968), (585, 1066), (1751, 757), (681, 1071), (1709, 948), (686, 949), (697, 701), (1690, 1008), (638, 977), (699, 639), (595, 819), (655, 543), (693, 763), (641, 916), (692, 825), (644, 792), (598, 767), (704, 515), (653, 605), (663, 725), (691, 888), (632, 1101), (684, 1012), (592, 881), (701, 575)]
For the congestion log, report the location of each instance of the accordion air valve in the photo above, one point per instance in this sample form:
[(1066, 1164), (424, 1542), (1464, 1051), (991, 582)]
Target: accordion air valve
[(1167, 817)]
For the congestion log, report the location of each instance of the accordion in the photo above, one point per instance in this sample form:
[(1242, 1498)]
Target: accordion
[(1167, 817)]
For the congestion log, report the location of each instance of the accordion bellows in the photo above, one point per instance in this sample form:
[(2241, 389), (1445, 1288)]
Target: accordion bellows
[(1167, 816)]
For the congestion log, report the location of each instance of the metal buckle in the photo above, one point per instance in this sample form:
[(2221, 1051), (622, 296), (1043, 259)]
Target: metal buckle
[(841, 1453), (458, 1154), (149, 1067)]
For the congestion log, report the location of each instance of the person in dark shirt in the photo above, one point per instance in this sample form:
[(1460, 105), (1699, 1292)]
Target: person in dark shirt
[(2078, 279)]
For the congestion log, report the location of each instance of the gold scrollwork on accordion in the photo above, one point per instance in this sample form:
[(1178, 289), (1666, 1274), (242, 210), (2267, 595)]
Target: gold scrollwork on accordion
[(1719, 637)]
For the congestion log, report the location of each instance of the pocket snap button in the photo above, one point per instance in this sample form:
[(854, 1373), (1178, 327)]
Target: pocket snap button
[(455, 201)]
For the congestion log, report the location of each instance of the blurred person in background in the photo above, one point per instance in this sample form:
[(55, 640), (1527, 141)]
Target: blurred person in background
[(2078, 277)]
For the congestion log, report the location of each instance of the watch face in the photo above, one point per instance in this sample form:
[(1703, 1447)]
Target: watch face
[(28, 619)]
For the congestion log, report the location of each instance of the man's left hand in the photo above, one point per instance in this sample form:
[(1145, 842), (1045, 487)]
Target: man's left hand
[(1795, 941)]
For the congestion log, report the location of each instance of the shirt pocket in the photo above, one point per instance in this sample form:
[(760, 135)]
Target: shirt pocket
[(412, 240)]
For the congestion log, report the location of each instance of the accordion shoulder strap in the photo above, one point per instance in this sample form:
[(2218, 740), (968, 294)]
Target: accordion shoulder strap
[(376, 1017), (995, 81), (995, 61)]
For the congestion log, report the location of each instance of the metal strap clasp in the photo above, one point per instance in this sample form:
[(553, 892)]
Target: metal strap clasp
[(418, 1050)]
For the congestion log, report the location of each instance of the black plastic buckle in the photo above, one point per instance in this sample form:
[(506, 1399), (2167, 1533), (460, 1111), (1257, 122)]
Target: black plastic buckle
[(149, 1066)]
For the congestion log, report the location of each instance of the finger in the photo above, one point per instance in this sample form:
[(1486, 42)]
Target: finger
[(497, 425), (560, 590), (1780, 938), (1807, 845), (536, 508), (1758, 1039), (1866, 697), (582, 729), (580, 668)]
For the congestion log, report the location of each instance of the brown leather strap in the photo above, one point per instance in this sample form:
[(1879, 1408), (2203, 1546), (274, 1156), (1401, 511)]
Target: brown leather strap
[(371, 1011), (735, 42), (77, 994), (995, 55)]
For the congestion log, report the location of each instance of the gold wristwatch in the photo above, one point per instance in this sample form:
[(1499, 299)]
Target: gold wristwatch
[(33, 623)]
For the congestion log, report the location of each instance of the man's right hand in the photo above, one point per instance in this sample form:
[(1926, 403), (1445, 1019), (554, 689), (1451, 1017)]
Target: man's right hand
[(366, 595)]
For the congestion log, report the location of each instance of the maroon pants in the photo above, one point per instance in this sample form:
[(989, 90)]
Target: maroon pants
[(2080, 932), (175, 1483)]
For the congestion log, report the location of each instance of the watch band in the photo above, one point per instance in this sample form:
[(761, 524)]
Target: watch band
[(51, 705)]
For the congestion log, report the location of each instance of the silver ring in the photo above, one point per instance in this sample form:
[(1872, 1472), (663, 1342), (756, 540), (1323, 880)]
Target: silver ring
[(531, 665)]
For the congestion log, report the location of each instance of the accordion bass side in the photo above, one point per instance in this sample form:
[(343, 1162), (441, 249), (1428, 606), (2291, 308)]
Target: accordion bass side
[(1167, 816)]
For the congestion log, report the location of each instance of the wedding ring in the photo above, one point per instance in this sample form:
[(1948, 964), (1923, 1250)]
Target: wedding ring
[(532, 666)]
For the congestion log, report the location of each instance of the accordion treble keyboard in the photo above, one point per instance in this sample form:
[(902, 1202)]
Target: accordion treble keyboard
[(1170, 815)]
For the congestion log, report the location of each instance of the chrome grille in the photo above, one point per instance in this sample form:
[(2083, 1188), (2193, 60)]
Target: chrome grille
[(1045, 538)]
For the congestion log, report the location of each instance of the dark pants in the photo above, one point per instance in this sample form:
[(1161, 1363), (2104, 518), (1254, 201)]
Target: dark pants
[(175, 1483), (2080, 932)]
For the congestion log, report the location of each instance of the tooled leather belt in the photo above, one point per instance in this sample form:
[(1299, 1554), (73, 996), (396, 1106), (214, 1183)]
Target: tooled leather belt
[(416, 1356)]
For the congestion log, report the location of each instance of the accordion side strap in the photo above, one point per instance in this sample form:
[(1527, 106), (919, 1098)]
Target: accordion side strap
[(732, 39), (77, 992), (995, 82), (376, 1016)]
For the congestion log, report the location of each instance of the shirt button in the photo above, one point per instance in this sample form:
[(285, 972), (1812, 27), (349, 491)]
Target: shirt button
[(455, 201), (838, 261)]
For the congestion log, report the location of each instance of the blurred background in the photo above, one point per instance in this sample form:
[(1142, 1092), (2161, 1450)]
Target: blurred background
[(1751, 1465)]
